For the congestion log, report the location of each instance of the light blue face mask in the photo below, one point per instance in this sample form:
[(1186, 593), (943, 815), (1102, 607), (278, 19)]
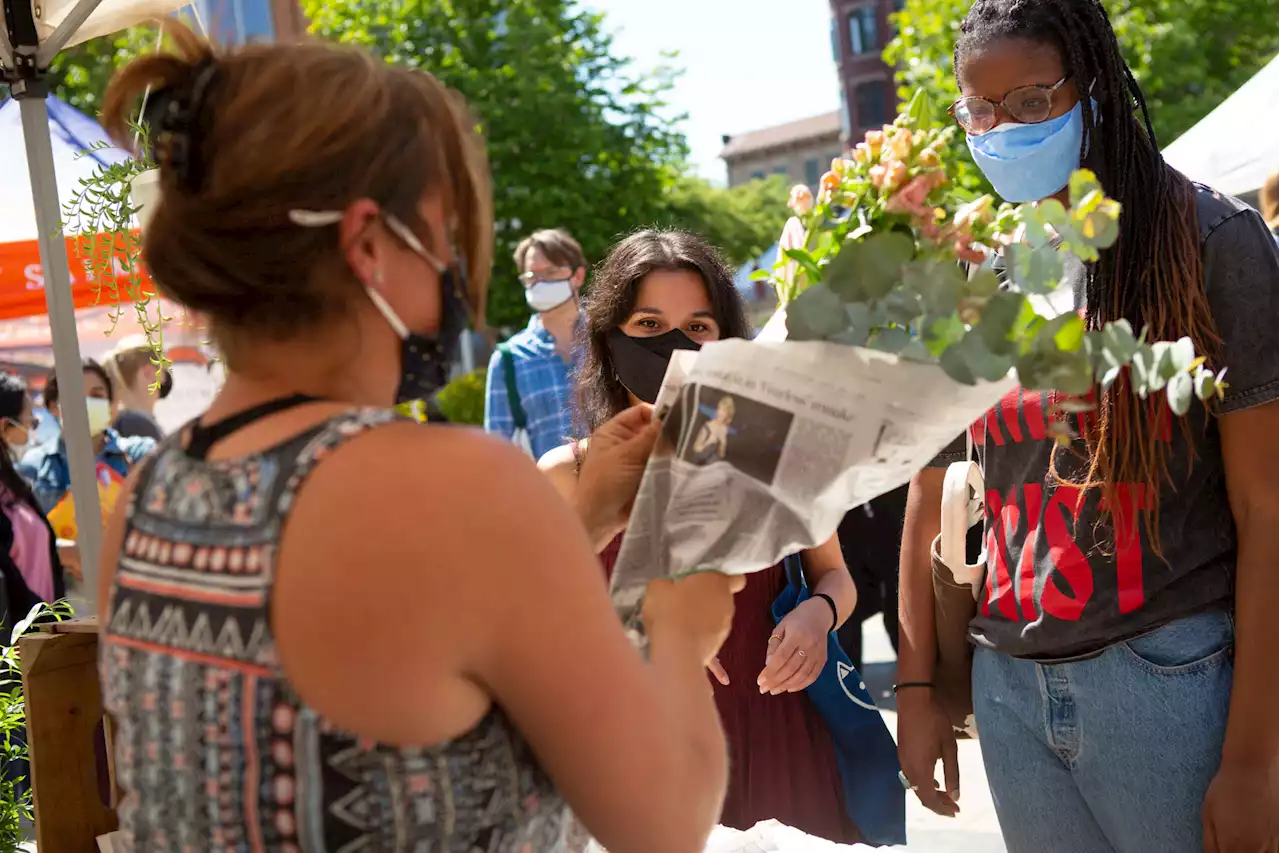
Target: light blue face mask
[(1030, 162)]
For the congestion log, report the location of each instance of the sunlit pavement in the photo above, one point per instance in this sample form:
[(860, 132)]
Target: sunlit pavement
[(975, 829)]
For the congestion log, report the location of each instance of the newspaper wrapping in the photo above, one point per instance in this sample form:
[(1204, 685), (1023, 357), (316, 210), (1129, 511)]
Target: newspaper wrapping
[(766, 444)]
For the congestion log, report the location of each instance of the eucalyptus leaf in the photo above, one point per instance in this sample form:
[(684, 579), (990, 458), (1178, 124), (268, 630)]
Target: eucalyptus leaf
[(956, 366), (871, 267), (815, 315), (1181, 391), (1205, 385), (1119, 343), (1068, 333), (893, 340), (939, 283), (860, 323), (984, 282), (1034, 270), (1143, 373), (981, 361), (942, 332), (998, 319), (1081, 184), (1183, 353)]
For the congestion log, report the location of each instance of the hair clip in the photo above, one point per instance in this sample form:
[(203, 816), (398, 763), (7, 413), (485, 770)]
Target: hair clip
[(315, 218)]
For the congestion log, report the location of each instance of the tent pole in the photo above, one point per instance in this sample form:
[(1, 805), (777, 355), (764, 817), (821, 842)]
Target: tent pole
[(62, 326)]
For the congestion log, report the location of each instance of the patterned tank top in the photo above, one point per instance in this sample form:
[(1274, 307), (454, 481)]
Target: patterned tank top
[(214, 750)]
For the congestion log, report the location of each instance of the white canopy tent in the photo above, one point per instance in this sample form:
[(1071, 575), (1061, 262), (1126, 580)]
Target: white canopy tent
[(32, 34), (1234, 148)]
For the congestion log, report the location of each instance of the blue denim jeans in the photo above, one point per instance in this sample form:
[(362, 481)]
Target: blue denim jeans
[(1111, 754)]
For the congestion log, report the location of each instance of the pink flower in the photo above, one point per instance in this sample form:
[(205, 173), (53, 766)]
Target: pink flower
[(801, 201), (875, 141), (900, 143), (929, 158), (830, 183), (895, 174), (793, 237), (965, 249), (913, 197), (877, 174)]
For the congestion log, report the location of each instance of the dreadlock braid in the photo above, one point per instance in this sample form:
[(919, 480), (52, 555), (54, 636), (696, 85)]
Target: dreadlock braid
[(1152, 275)]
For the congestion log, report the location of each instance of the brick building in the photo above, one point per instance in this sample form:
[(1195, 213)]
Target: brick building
[(860, 30)]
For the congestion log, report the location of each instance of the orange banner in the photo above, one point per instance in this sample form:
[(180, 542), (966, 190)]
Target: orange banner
[(22, 278)]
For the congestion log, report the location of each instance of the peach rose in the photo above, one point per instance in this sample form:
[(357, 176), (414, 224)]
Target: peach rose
[(895, 174), (801, 201), (875, 141)]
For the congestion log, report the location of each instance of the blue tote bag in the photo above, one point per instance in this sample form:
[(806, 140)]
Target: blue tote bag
[(867, 757)]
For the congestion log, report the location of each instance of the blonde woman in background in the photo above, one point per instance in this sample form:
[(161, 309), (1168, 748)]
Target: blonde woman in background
[(133, 373)]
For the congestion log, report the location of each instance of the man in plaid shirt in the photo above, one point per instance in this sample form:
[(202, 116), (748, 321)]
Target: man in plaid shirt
[(528, 394)]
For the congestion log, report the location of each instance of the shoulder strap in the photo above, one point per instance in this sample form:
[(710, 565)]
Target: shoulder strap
[(508, 362), (203, 438), (793, 565)]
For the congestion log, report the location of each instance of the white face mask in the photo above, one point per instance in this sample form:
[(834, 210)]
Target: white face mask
[(18, 449), (548, 295), (99, 415)]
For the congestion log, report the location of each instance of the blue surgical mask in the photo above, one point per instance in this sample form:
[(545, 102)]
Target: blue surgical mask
[(1030, 162)]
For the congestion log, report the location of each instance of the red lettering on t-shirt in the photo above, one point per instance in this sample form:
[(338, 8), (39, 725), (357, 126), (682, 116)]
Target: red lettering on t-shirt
[(1027, 560), (1130, 498), (1069, 562), (1009, 408), (1033, 408), (1001, 530)]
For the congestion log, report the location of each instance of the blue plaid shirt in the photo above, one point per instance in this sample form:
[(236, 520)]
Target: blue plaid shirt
[(542, 385)]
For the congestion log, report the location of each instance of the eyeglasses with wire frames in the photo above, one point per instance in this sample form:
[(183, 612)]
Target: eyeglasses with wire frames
[(1025, 104)]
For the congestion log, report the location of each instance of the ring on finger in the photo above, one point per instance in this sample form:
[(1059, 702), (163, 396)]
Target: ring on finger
[(775, 639), (800, 652)]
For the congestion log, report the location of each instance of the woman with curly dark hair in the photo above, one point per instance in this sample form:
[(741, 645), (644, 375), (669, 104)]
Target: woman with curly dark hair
[(658, 292)]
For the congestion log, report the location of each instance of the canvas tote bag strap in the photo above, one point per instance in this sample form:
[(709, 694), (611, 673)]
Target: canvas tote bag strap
[(962, 496)]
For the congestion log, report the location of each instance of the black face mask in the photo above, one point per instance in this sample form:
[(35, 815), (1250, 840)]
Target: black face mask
[(425, 359), (640, 363)]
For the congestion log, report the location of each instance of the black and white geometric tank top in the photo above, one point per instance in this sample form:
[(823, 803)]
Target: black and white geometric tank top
[(213, 748)]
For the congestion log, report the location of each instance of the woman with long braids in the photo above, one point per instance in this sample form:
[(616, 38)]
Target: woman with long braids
[(1124, 676), (657, 292)]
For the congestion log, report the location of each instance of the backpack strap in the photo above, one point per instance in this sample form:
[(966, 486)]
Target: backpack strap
[(508, 362)]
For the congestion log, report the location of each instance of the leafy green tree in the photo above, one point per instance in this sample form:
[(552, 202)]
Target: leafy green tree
[(576, 138), (79, 74), (743, 221), (1188, 55)]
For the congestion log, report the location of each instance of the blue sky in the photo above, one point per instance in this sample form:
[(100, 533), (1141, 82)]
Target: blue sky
[(748, 63)]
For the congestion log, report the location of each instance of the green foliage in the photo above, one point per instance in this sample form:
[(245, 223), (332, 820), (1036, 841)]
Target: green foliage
[(742, 221), (99, 214), (462, 400), (874, 261), (576, 138), (15, 807), (79, 74), (1188, 55)]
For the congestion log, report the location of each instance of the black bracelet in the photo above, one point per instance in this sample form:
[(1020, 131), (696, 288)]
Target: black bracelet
[(906, 684), (831, 602)]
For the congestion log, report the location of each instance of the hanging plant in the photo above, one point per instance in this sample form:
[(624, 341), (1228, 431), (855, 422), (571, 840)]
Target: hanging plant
[(878, 259), (105, 216)]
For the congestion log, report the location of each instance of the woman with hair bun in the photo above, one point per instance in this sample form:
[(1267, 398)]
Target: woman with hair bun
[(269, 689)]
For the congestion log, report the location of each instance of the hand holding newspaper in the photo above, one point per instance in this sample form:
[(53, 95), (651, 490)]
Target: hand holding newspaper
[(883, 352)]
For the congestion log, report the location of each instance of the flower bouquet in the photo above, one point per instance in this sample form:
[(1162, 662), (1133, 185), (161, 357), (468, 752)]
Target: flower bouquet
[(893, 335)]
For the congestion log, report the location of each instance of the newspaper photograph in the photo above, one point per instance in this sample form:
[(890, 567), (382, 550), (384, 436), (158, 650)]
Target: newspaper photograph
[(766, 444)]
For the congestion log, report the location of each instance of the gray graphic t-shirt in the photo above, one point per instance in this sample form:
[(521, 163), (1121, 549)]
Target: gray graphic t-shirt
[(1059, 584)]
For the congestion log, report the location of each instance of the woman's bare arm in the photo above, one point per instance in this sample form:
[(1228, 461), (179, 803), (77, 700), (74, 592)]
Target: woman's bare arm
[(488, 591)]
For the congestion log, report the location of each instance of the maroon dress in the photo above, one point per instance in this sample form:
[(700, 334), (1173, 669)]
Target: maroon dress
[(782, 765)]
